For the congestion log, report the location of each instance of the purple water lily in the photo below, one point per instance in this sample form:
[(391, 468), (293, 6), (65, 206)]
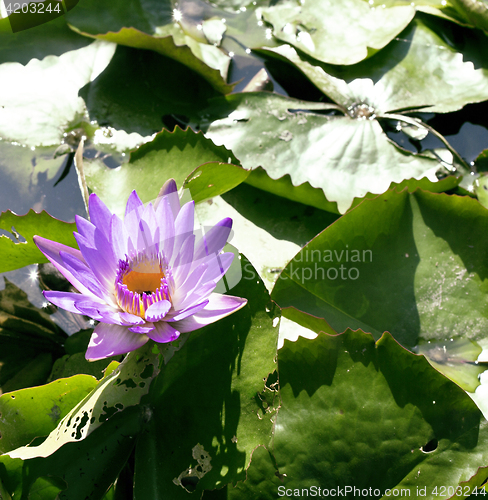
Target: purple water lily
[(147, 277)]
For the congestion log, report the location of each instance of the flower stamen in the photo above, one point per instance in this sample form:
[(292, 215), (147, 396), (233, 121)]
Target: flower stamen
[(141, 281)]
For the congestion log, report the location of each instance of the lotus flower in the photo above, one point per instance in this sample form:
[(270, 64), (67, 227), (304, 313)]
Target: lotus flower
[(147, 277)]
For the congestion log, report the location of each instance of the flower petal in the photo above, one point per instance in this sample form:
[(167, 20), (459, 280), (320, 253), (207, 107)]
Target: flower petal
[(100, 258), (166, 223), (100, 215), (188, 312), (183, 261), (219, 307), (170, 192), (163, 332), (119, 237), (69, 300), (213, 241), (133, 213), (158, 310), (86, 277), (148, 327), (110, 340), (52, 250)]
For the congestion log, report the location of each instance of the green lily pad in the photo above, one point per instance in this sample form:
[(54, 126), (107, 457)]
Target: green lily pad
[(23, 227), (169, 155), (35, 412), (100, 457), (53, 38), (40, 100), (394, 264), (218, 395), (142, 104), (426, 67), (346, 157), (213, 179), (123, 388), (343, 32), (365, 415), (155, 26)]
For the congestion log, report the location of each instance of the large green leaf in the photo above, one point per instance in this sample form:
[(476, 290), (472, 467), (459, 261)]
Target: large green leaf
[(427, 66), (122, 388), (356, 413), (142, 104), (343, 32), (394, 264), (100, 458), (24, 252), (36, 411), (212, 404), (169, 155), (52, 38), (344, 156), (268, 229), (156, 26), (40, 100)]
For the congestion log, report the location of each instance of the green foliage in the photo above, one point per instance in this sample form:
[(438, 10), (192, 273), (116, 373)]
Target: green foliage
[(386, 304), (22, 251)]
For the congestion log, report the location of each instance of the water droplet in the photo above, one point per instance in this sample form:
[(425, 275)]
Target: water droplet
[(260, 23), (199, 27), (248, 51), (231, 54), (268, 33), (286, 136)]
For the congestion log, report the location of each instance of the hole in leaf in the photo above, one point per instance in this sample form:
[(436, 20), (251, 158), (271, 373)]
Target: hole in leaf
[(430, 446)]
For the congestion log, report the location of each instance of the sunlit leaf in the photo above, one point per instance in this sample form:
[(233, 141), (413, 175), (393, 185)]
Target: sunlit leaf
[(155, 26), (35, 412), (394, 264), (40, 100), (213, 179), (24, 251), (344, 156), (169, 155), (123, 388), (343, 32), (445, 71)]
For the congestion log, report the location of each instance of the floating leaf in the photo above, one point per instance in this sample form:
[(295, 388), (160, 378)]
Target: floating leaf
[(213, 179), (142, 104), (343, 32), (393, 264), (53, 38), (40, 100), (35, 412), (146, 25), (29, 340), (169, 155), (344, 156), (443, 75), (124, 387), (356, 413), (100, 457), (23, 253)]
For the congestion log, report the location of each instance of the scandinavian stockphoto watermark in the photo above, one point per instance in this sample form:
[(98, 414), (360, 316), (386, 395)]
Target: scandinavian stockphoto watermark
[(317, 265)]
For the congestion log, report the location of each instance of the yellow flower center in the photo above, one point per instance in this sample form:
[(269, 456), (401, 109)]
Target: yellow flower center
[(140, 283)]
